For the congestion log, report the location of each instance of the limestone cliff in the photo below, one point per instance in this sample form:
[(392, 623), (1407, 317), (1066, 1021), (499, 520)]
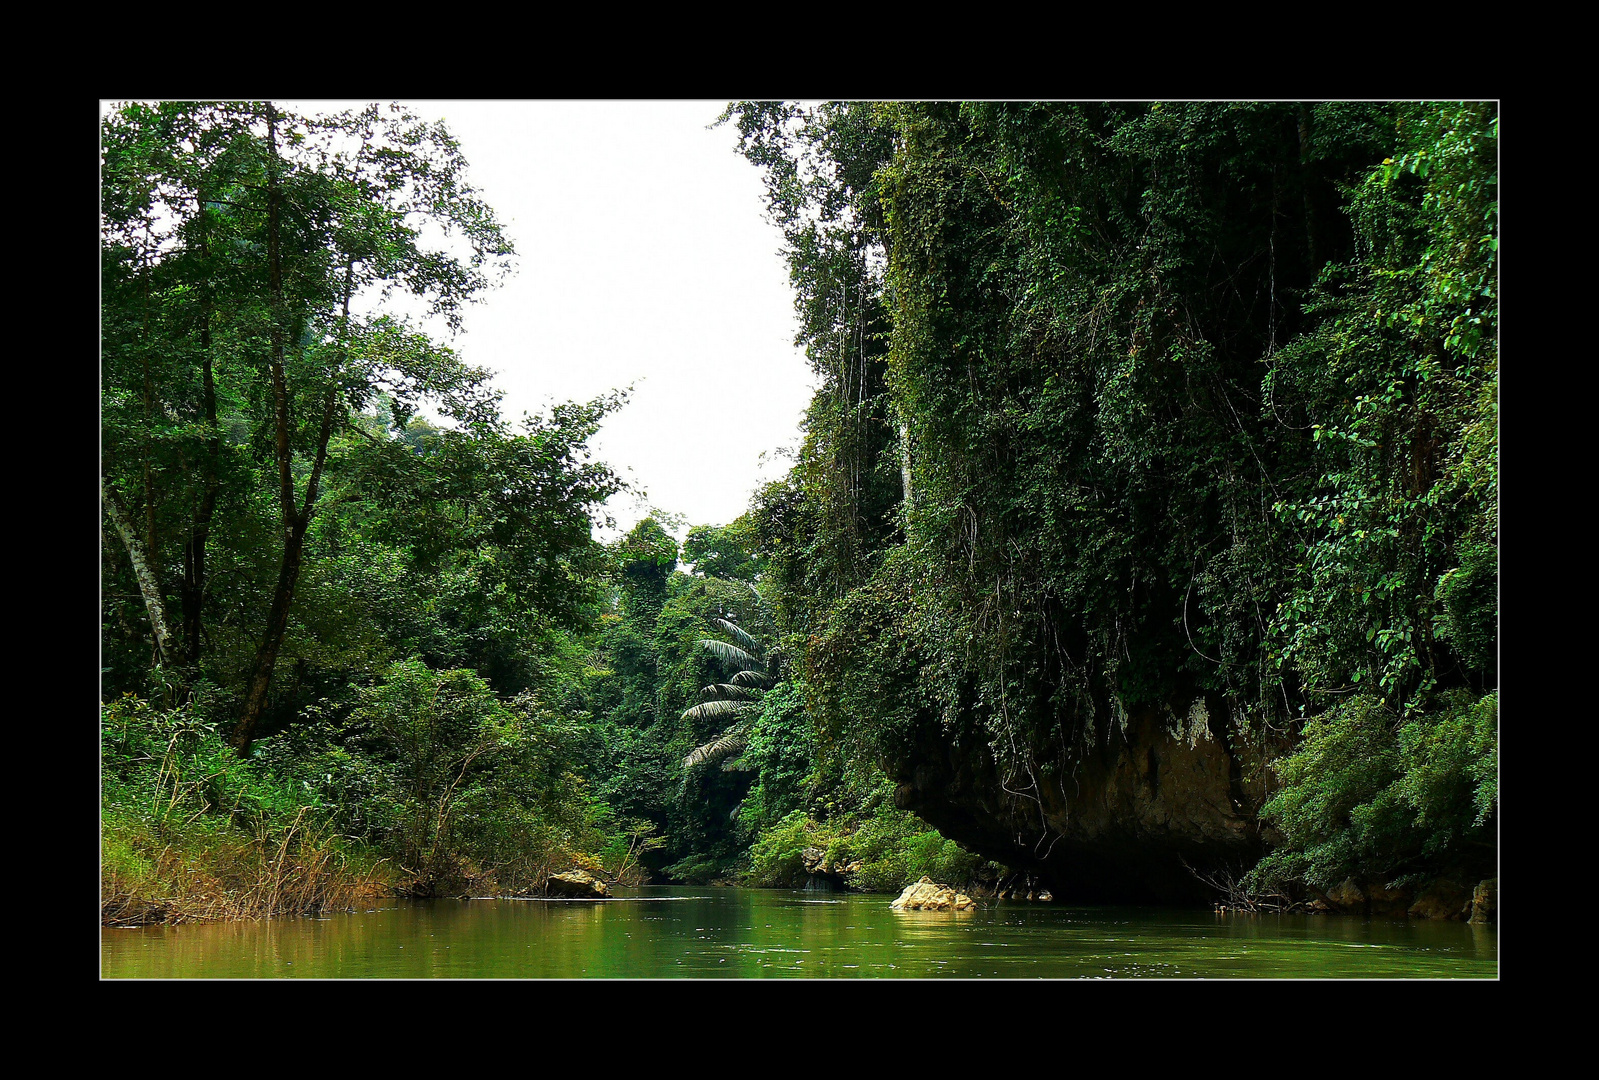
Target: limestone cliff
[(1158, 790)]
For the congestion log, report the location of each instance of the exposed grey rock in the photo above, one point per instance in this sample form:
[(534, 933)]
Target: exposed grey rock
[(577, 885), (815, 861)]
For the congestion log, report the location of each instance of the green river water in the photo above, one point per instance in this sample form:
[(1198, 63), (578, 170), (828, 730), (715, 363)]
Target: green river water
[(718, 933)]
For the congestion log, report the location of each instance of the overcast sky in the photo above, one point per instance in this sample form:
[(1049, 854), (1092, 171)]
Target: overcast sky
[(644, 258)]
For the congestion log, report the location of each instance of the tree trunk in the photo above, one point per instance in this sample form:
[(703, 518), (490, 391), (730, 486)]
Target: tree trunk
[(193, 591), (296, 521), (295, 528), (148, 575), (266, 656)]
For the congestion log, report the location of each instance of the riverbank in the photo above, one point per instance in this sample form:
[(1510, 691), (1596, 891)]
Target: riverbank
[(197, 872)]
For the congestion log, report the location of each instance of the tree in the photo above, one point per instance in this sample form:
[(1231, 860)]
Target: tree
[(239, 244), (821, 165), (171, 258), (738, 699), (646, 558), (725, 551), (511, 509)]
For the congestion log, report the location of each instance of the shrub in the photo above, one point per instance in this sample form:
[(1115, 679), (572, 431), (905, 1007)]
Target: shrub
[(465, 789), (780, 752), (191, 831), (897, 848), (1372, 794), (893, 846), (777, 856)]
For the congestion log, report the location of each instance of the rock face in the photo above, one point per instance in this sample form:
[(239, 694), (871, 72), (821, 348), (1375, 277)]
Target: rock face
[(1163, 796), (1350, 898), (1444, 898), (1346, 896), (577, 885), (1163, 788), (928, 895), (1485, 902), (815, 861)]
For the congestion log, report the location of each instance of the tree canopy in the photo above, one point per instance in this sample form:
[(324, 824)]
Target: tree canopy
[(248, 255)]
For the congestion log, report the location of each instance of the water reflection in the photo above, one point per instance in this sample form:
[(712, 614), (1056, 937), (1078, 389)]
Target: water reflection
[(756, 933)]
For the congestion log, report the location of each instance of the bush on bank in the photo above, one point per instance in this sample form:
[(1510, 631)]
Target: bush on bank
[(430, 785)]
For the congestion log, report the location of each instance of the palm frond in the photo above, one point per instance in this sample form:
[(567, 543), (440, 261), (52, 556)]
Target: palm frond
[(731, 654), (728, 743), (738, 698), (716, 710), (732, 691), (750, 644)]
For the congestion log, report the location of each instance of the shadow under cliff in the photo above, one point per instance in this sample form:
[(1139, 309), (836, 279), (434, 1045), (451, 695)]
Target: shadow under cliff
[(1158, 797)]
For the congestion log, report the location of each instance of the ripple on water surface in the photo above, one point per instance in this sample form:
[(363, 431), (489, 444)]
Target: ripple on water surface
[(769, 933)]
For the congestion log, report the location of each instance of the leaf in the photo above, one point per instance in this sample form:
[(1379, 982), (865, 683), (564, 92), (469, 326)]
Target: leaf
[(730, 692), (730, 742), (731, 654), (714, 710), (738, 632)]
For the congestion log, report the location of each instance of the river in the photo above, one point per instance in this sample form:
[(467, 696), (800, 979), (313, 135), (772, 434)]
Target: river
[(720, 933)]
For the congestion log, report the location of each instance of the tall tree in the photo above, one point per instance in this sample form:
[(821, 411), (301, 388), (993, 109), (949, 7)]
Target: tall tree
[(821, 167), (321, 219), (171, 246), (737, 701)]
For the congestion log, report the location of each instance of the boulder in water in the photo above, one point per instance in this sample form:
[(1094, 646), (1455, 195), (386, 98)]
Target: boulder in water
[(577, 885), (928, 895)]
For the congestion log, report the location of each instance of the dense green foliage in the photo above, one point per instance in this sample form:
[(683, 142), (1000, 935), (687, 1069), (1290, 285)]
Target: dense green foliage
[(1369, 799), (190, 830), (381, 615), (881, 850), (236, 239), (1126, 403), (451, 773), (1118, 405)]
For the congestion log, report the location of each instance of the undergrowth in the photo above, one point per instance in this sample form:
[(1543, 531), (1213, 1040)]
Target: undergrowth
[(189, 831)]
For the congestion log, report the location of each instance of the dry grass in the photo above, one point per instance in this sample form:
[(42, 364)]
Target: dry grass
[(199, 875)]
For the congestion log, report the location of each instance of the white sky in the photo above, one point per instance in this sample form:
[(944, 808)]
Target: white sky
[(644, 257)]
